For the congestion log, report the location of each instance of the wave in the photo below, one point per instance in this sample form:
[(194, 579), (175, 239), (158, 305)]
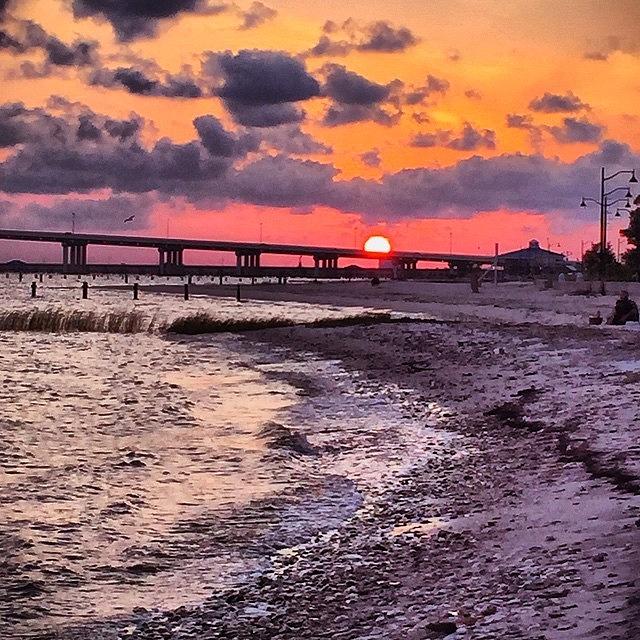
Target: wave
[(277, 436)]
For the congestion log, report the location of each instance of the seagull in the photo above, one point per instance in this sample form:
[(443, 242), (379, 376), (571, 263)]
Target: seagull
[(129, 219)]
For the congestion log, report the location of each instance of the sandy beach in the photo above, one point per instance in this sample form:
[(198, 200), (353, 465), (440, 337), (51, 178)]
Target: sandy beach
[(522, 522)]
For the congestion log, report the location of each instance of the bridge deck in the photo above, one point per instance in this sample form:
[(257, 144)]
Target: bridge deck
[(239, 247)]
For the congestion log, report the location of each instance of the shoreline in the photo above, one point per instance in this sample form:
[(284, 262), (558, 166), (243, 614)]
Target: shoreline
[(528, 527), (524, 537)]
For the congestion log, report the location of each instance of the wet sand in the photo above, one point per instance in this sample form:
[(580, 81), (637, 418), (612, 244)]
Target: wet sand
[(525, 521)]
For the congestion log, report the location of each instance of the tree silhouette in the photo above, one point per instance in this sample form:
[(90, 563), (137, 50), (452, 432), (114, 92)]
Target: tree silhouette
[(631, 257)]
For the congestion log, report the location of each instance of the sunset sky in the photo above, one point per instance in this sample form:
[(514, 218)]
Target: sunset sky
[(442, 124)]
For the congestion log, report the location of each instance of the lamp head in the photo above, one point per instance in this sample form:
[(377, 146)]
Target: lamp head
[(617, 214), (628, 194), (583, 203), (633, 176), (628, 205)]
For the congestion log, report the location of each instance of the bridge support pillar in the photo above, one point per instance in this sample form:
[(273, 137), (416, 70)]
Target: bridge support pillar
[(74, 257), (247, 260), (170, 259)]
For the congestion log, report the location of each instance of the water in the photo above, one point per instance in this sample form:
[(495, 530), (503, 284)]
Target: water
[(136, 470)]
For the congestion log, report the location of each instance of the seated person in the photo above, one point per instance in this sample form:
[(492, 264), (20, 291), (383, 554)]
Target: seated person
[(626, 310)]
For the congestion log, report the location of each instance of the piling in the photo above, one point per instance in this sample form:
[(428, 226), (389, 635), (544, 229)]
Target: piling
[(85, 290), (40, 277), (135, 290), (19, 277), (186, 291), (190, 279), (34, 289), (220, 279), (126, 278), (238, 292)]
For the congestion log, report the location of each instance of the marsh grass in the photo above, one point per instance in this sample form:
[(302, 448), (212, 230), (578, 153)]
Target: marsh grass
[(200, 323), (53, 320), (58, 320)]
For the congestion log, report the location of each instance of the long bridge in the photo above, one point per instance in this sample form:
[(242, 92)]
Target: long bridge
[(248, 254)]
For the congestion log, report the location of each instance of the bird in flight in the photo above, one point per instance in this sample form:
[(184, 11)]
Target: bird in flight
[(129, 219)]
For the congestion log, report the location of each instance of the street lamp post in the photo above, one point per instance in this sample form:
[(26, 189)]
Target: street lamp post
[(603, 203)]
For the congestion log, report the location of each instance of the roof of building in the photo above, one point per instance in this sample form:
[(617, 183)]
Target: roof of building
[(533, 253)]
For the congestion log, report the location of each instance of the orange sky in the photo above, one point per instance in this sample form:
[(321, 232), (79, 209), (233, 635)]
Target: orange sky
[(495, 57)]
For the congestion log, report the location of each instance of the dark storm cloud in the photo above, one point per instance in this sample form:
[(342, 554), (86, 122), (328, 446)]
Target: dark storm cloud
[(257, 14), (574, 130), (357, 99), (518, 121), (254, 78), (51, 156), (137, 81), (87, 130), (348, 87), (83, 151), (371, 158), (280, 181), (267, 115), (555, 103), (133, 19), (19, 125), (222, 143), (328, 47), (469, 139), (7, 41), (425, 140), (4, 6), (123, 129), (290, 139), (433, 85), (27, 36), (79, 54), (380, 36), (341, 114)]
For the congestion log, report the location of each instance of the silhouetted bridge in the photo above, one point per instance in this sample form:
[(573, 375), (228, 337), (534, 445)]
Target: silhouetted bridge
[(248, 254)]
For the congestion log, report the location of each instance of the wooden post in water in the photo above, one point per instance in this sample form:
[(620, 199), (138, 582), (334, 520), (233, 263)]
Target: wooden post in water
[(190, 279), (186, 291), (220, 279), (135, 290), (126, 278), (238, 292), (40, 277), (85, 290), (34, 288), (20, 277)]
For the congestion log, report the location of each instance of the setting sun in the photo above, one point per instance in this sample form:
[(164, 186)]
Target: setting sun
[(377, 244)]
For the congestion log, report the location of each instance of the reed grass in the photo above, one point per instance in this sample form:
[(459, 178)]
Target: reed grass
[(52, 320), (200, 323)]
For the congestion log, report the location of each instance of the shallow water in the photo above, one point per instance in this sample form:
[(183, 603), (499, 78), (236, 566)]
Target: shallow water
[(136, 471)]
